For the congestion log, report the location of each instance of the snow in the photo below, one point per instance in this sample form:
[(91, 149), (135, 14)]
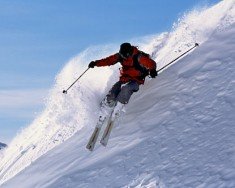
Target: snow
[(178, 130)]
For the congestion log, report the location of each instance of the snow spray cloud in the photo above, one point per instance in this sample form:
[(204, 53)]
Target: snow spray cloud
[(64, 115), (196, 26)]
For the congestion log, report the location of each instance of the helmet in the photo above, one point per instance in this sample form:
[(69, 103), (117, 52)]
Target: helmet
[(126, 50)]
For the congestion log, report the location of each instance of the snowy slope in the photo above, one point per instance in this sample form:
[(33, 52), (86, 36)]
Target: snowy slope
[(178, 130)]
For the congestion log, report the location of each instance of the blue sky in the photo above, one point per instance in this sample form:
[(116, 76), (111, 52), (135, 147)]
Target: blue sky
[(38, 37)]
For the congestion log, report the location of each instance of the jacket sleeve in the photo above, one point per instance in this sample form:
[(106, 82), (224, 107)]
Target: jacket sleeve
[(111, 60), (147, 62)]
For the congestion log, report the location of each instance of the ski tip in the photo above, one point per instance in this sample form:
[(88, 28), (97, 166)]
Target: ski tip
[(89, 147), (103, 143)]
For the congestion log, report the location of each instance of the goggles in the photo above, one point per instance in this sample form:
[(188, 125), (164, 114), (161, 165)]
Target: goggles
[(124, 56)]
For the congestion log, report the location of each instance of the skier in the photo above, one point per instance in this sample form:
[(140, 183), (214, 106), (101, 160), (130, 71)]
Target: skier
[(136, 65)]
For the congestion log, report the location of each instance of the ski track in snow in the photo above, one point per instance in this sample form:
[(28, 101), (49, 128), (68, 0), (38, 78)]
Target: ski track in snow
[(178, 130)]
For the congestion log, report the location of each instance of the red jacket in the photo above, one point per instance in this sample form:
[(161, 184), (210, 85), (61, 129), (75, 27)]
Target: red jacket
[(129, 71)]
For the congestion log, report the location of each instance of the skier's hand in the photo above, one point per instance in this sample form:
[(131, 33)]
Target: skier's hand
[(153, 73), (92, 64)]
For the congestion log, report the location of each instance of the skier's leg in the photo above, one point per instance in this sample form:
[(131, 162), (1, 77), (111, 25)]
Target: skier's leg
[(109, 102), (124, 97), (111, 97), (126, 92)]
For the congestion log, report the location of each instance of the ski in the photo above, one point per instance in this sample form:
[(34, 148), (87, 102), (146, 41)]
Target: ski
[(107, 119), (91, 144), (92, 141), (106, 134), (114, 115)]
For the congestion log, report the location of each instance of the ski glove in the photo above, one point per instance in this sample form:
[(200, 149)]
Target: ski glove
[(153, 73), (92, 64)]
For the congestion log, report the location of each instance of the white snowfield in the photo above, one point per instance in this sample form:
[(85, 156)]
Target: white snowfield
[(178, 130)]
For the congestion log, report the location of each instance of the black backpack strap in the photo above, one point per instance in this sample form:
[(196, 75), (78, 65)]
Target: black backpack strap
[(138, 66)]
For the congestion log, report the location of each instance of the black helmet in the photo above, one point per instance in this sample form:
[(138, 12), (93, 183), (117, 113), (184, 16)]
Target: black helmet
[(126, 50)]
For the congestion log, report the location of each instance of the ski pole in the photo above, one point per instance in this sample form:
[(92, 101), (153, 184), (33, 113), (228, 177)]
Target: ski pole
[(196, 44), (65, 91)]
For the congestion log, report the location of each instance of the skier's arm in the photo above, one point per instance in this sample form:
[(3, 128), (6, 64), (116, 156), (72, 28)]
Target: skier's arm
[(111, 60), (150, 64), (147, 62)]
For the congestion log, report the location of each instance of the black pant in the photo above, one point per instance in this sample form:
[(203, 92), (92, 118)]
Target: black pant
[(122, 92)]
